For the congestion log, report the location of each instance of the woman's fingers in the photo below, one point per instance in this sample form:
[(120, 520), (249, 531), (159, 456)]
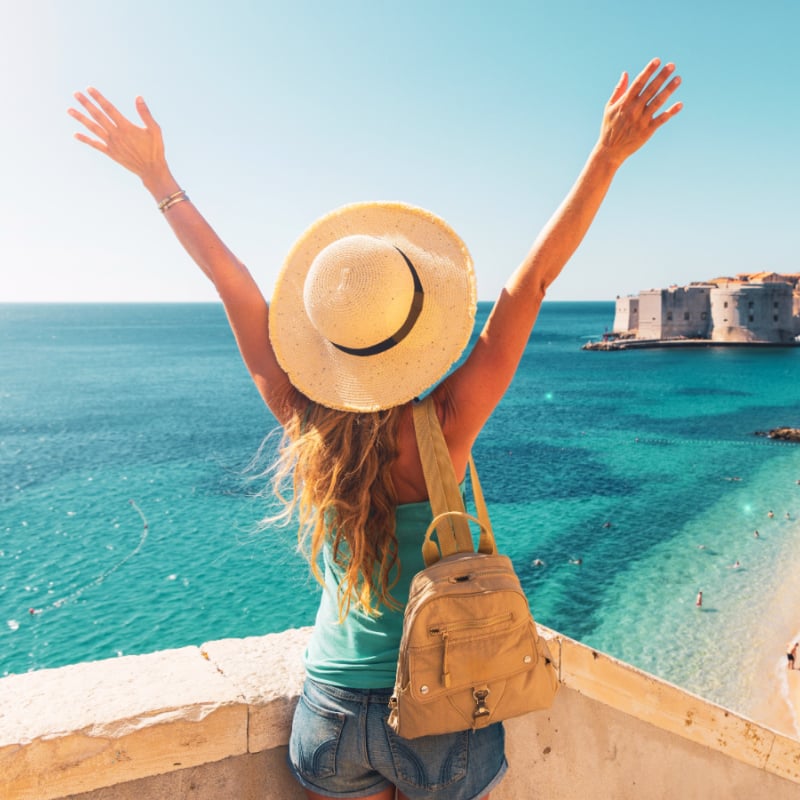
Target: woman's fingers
[(96, 114), (87, 123), (655, 86), (645, 87), (659, 99), (650, 91), (108, 107), (641, 80), (97, 145), (632, 116), (619, 89), (667, 115), (139, 149), (145, 115)]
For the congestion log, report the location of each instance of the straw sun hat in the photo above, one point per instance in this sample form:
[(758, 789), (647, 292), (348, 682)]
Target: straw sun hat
[(372, 306)]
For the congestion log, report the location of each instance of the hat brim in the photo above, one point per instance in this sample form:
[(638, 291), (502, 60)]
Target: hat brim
[(348, 382)]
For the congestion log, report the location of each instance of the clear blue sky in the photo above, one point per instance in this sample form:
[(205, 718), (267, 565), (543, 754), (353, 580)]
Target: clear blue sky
[(483, 112)]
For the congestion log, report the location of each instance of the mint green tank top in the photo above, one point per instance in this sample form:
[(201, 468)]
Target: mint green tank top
[(361, 652)]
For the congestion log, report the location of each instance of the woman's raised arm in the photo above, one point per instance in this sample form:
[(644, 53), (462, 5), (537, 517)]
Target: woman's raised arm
[(630, 119), (141, 150)]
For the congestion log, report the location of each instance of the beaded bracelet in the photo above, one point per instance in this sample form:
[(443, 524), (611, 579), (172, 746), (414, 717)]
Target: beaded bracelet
[(173, 199)]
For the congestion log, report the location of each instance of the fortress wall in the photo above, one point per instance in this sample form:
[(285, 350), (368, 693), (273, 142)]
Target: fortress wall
[(796, 311), (626, 315), (651, 314), (754, 312), (687, 312), (675, 312)]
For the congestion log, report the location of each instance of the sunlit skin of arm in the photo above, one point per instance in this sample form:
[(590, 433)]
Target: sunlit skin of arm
[(140, 149), (471, 393)]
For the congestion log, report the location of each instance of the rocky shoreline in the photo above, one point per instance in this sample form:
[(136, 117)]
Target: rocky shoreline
[(783, 434)]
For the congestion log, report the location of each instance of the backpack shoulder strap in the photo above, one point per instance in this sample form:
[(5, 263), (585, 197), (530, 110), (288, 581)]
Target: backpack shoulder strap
[(487, 542), (452, 531)]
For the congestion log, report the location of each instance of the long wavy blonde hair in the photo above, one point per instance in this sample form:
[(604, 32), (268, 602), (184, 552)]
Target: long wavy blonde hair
[(337, 465)]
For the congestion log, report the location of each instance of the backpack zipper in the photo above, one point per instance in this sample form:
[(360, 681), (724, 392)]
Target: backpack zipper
[(445, 629), (449, 627)]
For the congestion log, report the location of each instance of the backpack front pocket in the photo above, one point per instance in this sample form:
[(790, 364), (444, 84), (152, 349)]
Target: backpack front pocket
[(470, 652)]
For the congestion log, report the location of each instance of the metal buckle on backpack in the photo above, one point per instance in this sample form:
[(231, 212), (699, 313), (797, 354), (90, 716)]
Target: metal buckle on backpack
[(480, 696)]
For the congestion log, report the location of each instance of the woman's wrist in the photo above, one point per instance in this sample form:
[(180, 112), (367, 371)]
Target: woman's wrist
[(606, 158), (160, 183)]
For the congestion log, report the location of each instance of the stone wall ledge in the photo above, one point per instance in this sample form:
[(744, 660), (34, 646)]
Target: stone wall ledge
[(81, 727), (213, 721)]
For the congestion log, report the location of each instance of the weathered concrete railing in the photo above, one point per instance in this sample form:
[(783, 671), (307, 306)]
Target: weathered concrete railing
[(213, 722)]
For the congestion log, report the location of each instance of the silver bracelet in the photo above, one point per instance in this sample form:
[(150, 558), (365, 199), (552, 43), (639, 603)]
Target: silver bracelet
[(173, 199)]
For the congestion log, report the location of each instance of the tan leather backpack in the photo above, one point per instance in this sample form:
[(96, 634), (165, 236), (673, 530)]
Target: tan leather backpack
[(470, 653)]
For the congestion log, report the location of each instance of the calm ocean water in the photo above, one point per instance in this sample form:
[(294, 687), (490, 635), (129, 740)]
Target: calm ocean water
[(113, 415)]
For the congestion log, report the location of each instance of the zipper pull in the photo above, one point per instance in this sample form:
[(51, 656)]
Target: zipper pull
[(445, 670), (480, 694)]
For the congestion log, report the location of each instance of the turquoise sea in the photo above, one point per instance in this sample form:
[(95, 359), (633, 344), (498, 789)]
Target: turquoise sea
[(127, 519)]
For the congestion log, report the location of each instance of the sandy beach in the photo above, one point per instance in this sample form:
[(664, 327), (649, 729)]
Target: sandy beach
[(793, 678), (780, 710), (775, 701)]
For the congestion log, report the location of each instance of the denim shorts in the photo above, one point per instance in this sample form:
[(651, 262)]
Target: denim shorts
[(342, 746)]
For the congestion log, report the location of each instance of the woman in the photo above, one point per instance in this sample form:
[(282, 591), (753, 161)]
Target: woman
[(374, 304)]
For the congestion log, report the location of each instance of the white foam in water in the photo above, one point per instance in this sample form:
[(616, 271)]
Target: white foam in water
[(99, 579), (13, 624)]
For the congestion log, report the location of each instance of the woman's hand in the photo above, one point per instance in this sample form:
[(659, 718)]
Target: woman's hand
[(141, 150), (138, 149), (631, 115)]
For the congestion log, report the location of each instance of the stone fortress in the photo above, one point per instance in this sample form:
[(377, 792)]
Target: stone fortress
[(750, 309)]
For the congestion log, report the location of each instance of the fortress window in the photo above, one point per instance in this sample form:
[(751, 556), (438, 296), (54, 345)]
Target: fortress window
[(669, 316), (750, 318), (775, 304), (725, 304), (750, 304), (686, 315), (774, 317), (703, 315)]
